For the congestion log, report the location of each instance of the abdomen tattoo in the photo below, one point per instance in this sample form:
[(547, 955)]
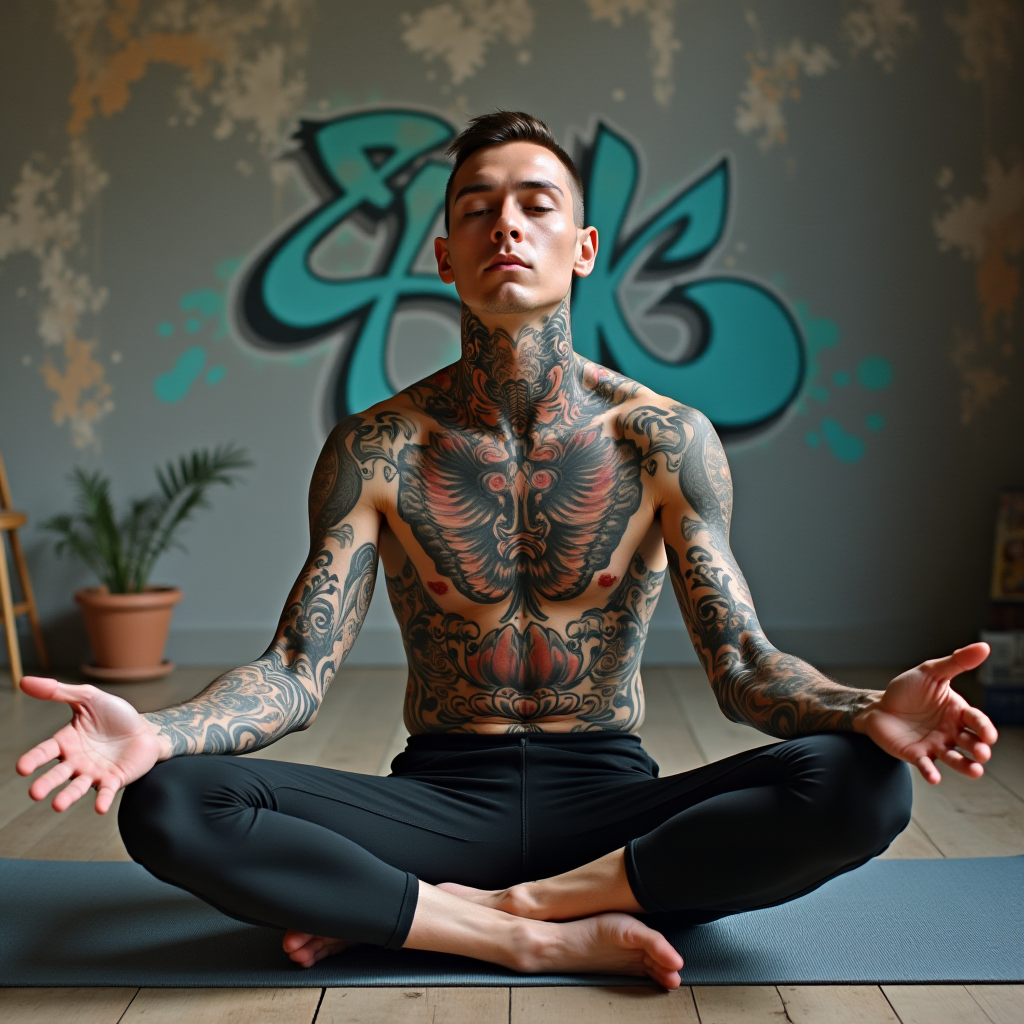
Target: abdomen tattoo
[(461, 676)]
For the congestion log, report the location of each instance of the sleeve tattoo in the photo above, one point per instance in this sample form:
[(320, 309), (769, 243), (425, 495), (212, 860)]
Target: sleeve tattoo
[(752, 680), (252, 706)]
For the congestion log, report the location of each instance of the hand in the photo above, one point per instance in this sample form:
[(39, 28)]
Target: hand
[(920, 718), (106, 745)]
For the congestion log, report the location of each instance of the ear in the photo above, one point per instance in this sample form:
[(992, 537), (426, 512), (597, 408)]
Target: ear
[(586, 252), (444, 263)]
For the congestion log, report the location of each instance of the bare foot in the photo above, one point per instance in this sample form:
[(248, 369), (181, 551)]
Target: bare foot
[(605, 944), (306, 949), (598, 887), (496, 899)]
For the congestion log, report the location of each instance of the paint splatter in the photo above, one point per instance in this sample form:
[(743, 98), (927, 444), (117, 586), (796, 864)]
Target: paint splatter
[(845, 447), (233, 56), (664, 42), (986, 29), (874, 373), (990, 232), (980, 383), (215, 375), (460, 32), (83, 395), (774, 80), (819, 333), (881, 26), (174, 385), (165, 329), (44, 220)]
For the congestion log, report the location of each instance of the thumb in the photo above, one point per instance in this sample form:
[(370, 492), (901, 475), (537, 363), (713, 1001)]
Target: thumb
[(964, 659), (39, 686)]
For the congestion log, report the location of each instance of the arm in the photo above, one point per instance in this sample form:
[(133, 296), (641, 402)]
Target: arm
[(752, 680), (281, 692), (108, 744)]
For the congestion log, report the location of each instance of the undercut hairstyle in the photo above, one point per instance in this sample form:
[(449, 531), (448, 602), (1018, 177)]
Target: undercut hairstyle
[(503, 126)]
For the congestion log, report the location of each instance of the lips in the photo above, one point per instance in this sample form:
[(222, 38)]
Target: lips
[(506, 261)]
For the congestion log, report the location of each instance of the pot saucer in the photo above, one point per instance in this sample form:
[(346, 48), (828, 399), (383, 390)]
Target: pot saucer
[(128, 675)]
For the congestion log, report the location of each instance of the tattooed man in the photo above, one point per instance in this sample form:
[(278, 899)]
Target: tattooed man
[(526, 505)]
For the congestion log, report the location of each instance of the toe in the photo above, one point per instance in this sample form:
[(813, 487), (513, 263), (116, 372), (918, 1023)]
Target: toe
[(294, 940)]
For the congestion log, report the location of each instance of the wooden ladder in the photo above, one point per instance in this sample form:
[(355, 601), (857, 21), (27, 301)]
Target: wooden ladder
[(10, 521)]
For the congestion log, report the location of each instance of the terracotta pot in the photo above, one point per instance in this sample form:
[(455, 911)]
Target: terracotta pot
[(128, 632)]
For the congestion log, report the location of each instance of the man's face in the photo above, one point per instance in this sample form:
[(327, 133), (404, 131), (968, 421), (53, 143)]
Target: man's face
[(512, 244)]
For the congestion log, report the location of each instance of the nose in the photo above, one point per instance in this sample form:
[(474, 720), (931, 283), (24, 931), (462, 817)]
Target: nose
[(508, 223)]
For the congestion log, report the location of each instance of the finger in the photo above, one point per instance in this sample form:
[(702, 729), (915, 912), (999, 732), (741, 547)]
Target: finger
[(38, 756), (962, 764), (56, 776), (961, 660), (978, 722), (926, 766), (105, 796), (40, 687), (967, 741), (75, 790)]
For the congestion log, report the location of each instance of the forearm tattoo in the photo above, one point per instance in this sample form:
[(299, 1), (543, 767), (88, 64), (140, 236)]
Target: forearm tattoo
[(461, 674), (251, 707), (754, 683)]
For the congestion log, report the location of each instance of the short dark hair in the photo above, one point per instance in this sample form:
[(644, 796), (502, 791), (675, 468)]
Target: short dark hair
[(503, 126)]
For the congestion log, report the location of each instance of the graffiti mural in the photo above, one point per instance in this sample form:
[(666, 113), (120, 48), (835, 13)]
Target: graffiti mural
[(738, 354)]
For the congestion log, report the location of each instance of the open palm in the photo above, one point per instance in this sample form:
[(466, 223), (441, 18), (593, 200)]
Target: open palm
[(921, 719), (106, 745)]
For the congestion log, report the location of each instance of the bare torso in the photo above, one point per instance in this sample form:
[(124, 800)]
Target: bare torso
[(520, 539)]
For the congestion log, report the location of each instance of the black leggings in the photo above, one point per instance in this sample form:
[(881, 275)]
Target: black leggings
[(339, 854)]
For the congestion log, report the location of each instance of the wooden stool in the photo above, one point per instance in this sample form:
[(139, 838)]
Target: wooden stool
[(10, 521)]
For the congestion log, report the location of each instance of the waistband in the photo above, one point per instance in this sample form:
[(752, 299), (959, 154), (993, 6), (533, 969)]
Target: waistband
[(582, 742)]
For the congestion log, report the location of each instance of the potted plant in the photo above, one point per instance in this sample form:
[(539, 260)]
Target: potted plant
[(126, 617)]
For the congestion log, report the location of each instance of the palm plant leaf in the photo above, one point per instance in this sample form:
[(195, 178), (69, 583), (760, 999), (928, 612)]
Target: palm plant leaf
[(123, 554)]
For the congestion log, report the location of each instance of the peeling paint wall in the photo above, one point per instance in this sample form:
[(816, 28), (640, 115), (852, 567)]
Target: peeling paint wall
[(874, 195)]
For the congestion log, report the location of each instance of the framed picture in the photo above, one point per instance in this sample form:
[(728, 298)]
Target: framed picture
[(1008, 563)]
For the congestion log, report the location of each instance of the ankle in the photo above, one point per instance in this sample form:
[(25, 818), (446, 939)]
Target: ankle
[(533, 944), (524, 900)]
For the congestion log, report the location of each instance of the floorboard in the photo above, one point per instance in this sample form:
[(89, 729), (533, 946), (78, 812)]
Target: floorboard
[(739, 1004), (836, 1004), (64, 1005), (601, 1006), (223, 1006), (414, 1006), (1003, 1004), (935, 1004)]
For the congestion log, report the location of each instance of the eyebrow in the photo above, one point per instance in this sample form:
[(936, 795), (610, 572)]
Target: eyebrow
[(521, 186)]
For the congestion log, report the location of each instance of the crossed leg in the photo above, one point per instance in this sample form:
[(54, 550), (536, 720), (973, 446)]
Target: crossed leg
[(754, 830)]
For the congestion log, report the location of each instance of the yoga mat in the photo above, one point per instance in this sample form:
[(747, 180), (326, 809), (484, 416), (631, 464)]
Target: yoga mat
[(890, 921)]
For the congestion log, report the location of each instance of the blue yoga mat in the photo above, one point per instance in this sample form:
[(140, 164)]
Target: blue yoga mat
[(890, 921)]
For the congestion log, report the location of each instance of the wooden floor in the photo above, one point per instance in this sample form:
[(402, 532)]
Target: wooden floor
[(360, 729)]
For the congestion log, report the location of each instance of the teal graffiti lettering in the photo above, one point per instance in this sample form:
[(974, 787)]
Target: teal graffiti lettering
[(354, 161), (744, 360)]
